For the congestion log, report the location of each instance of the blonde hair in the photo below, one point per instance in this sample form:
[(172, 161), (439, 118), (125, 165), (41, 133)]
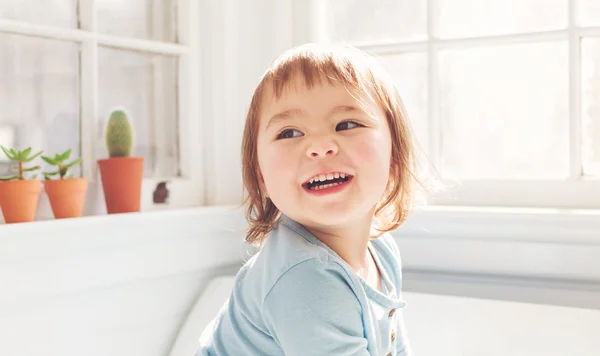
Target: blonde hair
[(360, 74)]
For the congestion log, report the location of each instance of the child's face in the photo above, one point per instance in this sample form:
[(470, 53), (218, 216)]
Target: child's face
[(321, 135)]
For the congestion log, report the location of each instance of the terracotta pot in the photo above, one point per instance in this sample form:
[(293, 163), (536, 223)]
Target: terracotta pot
[(122, 183), (66, 196), (19, 199)]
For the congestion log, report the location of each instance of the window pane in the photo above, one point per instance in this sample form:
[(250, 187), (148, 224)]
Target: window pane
[(39, 97), (144, 85), (504, 111), (409, 72), (41, 12), (146, 19), (373, 20), (471, 18), (589, 12), (591, 106)]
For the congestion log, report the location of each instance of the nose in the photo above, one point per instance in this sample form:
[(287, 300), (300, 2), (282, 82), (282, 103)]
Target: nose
[(322, 147)]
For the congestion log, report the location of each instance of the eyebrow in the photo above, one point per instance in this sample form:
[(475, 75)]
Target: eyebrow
[(287, 114)]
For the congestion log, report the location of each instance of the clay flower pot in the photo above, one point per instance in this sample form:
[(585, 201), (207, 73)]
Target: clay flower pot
[(66, 196), (19, 199), (122, 183)]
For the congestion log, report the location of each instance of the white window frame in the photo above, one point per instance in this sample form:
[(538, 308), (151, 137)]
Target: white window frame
[(187, 190), (576, 192)]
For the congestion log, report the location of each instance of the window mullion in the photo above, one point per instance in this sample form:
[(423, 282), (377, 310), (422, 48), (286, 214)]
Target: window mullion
[(185, 13), (89, 88), (435, 128), (575, 139), (191, 148)]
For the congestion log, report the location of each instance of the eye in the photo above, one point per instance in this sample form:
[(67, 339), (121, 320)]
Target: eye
[(346, 125), (289, 133)]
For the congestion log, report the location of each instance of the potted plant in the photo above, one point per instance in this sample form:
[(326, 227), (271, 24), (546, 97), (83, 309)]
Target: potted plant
[(66, 194), (121, 173), (19, 196)]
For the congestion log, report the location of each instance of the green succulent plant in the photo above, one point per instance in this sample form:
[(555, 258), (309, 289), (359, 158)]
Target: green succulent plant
[(62, 168), (119, 135), (20, 157)]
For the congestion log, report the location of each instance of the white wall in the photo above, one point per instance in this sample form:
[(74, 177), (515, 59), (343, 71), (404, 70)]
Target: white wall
[(239, 42), (116, 285), (533, 255)]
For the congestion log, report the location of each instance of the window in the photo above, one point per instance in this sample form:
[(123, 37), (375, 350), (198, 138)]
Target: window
[(66, 64), (503, 94)]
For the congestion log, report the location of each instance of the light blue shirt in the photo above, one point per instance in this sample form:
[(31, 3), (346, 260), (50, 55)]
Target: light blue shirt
[(296, 296)]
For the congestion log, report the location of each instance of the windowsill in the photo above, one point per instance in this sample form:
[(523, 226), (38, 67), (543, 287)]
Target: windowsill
[(63, 226), (182, 196), (537, 255), (548, 225), (449, 222)]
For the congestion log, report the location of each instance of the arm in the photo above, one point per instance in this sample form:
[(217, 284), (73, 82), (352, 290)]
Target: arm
[(312, 310)]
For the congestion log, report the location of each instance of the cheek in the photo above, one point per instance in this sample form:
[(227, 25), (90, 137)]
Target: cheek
[(374, 150), (275, 165)]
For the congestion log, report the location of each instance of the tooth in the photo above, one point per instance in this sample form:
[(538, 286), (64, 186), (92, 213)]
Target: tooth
[(329, 176), (337, 175), (322, 177), (311, 180), (342, 175)]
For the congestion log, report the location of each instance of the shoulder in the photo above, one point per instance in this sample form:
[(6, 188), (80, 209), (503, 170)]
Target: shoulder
[(289, 254), (313, 278), (311, 292)]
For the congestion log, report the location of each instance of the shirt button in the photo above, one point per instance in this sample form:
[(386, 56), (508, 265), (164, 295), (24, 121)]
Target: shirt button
[(393, 335), (392, 312)]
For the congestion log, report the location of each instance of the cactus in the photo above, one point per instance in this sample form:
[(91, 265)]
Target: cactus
[(119, 135)]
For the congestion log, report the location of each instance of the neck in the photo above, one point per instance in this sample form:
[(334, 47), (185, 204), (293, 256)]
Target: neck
[(350, 242)]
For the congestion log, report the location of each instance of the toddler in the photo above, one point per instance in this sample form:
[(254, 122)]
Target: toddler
[(329, 168)]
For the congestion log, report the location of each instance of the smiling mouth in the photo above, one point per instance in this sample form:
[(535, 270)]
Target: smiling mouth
[(329, 181)]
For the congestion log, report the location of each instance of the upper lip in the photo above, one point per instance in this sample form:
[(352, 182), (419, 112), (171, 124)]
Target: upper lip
[(326, 172)]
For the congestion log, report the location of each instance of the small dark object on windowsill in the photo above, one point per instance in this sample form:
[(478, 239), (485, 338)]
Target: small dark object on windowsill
[(161, 193)]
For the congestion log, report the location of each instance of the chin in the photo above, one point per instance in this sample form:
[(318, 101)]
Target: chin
[(330, 215)]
